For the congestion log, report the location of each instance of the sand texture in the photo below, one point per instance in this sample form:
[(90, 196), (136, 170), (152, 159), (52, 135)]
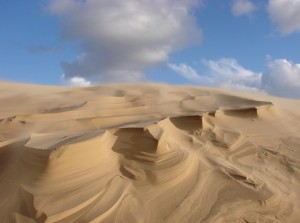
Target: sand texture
[(147, 153)]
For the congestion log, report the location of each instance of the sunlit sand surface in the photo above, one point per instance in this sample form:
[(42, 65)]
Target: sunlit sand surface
[(147, 153)]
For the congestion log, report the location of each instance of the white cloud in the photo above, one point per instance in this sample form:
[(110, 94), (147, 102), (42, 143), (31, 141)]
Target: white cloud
[(286, 14), (228, 70), (226, 73), (76, 81), (190, 73), (281, 79), (121, 39), (79, 81), (242, 7)]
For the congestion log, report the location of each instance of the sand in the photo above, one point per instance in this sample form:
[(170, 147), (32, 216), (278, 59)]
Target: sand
[(147, 153)]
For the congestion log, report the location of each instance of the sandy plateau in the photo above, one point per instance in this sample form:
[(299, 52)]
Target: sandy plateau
[(147, 153)]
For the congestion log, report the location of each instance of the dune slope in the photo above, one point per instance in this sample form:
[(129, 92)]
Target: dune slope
[(147, 153)]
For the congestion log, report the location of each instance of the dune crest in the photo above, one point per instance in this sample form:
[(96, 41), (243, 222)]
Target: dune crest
[(147, 153)]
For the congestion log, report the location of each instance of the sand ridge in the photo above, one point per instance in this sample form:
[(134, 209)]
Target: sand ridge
[(147, 153)]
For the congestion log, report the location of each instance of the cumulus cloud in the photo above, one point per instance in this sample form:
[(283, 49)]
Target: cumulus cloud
[(242, 7), (282, 77), (76, 81), (121, 39), (286, 14)]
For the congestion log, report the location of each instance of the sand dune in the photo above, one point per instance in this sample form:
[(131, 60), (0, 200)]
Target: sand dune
[(147, 153)]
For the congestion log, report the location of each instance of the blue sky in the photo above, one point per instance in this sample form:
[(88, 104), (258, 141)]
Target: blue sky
[(242, 44)]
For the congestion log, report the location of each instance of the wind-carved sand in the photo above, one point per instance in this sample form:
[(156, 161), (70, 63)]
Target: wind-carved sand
[(147, 153)]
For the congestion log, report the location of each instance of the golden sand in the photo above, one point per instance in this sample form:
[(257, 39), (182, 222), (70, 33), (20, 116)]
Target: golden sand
[(147, 153)]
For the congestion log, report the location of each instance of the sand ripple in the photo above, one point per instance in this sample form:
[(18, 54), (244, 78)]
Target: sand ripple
[(149, 154)]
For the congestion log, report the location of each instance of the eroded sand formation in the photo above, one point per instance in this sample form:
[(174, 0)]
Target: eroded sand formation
[(147, 153)]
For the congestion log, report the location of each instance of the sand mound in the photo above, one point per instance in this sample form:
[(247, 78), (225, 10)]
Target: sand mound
[(147, 153)]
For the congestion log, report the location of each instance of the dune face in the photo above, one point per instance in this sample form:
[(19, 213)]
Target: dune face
[(147, 153)]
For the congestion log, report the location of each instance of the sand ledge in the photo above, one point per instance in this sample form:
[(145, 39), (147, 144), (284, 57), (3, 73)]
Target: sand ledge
[(148, 153)]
